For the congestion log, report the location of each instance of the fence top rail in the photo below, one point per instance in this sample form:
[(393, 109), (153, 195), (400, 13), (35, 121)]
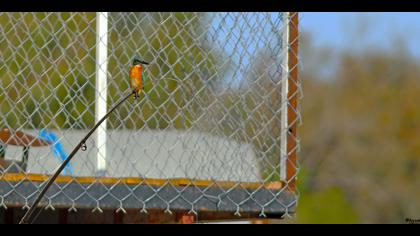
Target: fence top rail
[(18, 177)]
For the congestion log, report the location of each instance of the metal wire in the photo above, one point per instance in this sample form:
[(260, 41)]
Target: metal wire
[(214, 107)]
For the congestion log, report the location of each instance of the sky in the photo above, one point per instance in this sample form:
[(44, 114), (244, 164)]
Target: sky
[(242, 36), (359, 31), (354, 32)]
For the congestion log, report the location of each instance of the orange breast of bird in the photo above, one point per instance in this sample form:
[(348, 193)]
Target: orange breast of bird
[(135, 78)]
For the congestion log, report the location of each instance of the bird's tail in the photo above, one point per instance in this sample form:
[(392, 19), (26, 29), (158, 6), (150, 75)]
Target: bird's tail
[(135, 94)]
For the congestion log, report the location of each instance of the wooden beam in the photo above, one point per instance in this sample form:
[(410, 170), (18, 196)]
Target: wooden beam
[(118, 217), (9, 216), (62, 216)]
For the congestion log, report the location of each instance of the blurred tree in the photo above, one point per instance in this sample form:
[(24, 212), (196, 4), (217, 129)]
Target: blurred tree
[(361, 135), (326, 207), (47, 70), (183, 66)]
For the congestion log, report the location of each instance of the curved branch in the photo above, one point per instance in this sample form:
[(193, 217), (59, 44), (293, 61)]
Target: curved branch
[(82, 144)]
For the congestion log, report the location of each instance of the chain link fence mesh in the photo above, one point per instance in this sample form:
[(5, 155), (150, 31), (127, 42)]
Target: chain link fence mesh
[(213, 109)]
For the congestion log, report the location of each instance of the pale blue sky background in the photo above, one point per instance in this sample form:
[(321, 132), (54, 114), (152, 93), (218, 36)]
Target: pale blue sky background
[(242, 35), (359, 31)]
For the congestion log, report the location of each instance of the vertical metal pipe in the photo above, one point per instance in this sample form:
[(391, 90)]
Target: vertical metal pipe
[(101, 88)]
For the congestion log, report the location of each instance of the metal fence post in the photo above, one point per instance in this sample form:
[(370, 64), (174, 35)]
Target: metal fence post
[(101, 88)]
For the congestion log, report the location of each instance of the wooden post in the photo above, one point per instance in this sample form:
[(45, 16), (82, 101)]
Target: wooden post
[(292, 97)]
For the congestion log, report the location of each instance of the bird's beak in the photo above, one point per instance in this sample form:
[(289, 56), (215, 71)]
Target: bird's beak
[(145, 63)]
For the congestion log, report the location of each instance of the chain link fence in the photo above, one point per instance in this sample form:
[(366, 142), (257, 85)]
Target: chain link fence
[(212, 128)]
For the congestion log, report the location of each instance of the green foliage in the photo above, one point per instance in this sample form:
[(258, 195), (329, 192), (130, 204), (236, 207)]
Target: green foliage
[(45, 75), (328, 206), (182, 65), (49, 75)]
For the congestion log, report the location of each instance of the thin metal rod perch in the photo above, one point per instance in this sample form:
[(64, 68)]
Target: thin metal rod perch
[(81, 145)]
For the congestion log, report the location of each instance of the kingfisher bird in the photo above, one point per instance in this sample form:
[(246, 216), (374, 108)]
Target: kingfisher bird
[(137, 76)]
